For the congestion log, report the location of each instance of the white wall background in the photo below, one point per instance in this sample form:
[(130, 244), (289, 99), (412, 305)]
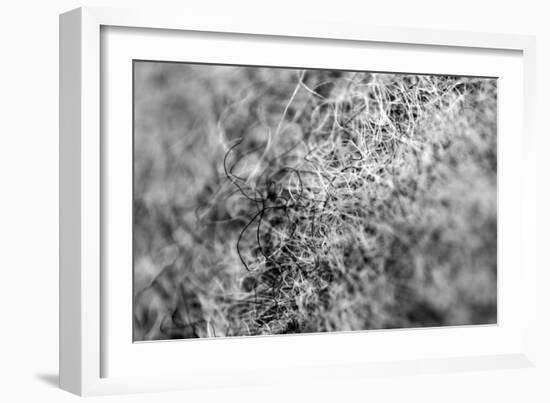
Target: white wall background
[(29, 201)]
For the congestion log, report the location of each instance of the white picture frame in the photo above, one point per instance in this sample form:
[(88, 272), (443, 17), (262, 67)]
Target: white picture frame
[(85, 344)]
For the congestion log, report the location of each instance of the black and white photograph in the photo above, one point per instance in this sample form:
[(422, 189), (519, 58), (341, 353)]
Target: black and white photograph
[(275, 200)]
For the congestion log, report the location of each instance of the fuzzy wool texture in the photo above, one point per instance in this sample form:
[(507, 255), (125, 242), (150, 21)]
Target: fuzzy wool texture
[(275, 201)]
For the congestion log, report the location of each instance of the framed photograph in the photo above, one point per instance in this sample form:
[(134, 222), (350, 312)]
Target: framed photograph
[(242, 202)]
